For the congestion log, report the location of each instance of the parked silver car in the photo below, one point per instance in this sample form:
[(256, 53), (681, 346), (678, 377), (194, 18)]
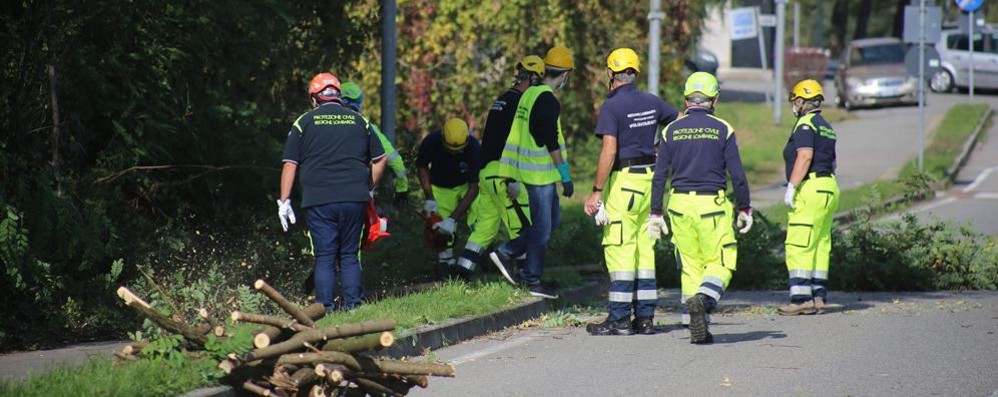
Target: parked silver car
[(871, 72), (954, 68)]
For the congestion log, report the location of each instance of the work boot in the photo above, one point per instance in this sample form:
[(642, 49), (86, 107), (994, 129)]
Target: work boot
[(643, 326), (819, 305), (793, 309), (607, 327), (699, 334), (504, 263)]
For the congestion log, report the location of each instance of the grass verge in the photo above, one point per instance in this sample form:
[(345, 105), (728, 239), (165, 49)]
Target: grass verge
[(946, 142), (102, 377)]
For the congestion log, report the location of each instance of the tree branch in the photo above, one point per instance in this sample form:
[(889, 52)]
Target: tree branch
[(209, 168)]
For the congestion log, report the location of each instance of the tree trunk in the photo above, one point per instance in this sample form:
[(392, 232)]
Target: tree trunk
[(279, 299), (56, 131), (316, 335), (863, 19), (840, 21), (270, 335), (897, 29), (370, 365), (370, 342)]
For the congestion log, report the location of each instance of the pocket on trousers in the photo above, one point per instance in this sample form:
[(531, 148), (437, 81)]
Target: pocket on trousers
[(729, 255), (613, 233), (799, 234)]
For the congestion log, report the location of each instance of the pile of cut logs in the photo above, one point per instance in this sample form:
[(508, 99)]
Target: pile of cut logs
[(295, 358)]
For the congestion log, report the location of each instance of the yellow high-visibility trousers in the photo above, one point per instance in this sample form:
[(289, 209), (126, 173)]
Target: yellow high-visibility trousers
[(492, 207), (447, 200), (627, 248), (704, 236), (809, 237)]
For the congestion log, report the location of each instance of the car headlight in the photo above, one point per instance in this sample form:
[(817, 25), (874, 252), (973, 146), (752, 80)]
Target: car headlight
[(911, 80), (852, 81)]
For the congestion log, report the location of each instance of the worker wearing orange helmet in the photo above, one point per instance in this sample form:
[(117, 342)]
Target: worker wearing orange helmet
[(338, 159), (448, 163)]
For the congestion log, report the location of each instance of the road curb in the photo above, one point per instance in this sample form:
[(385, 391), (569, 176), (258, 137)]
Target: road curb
[(845, 219), (416, 341)]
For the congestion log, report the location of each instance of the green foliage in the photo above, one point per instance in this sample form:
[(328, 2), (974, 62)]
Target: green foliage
[(165, 349), (239, 342)]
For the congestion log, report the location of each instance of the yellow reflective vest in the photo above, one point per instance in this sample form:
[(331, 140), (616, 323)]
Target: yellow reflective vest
[(522, 158)]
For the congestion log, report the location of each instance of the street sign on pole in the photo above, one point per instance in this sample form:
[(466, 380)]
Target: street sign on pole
[(930, 59), (913, 27), (969, 5), (742, 23)]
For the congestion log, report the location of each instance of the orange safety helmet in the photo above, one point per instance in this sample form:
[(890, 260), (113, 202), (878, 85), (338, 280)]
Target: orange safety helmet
[(319, 87)]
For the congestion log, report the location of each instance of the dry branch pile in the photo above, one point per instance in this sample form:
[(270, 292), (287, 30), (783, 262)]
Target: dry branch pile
[(294, 358)]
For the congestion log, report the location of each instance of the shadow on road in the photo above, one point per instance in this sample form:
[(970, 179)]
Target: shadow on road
[(720, 339)]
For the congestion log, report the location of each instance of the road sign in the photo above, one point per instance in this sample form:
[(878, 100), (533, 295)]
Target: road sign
[(931, 61), (767, 20), (969, 5), (742, 23), (965, 23), (933, 24)]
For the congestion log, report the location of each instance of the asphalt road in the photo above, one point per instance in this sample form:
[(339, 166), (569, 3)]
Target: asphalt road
[(974, 199), (873, 146), (880, 344)]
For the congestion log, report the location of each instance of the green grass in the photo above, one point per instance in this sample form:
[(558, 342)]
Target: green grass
[(945, 144), (101, 377), (449, 300)]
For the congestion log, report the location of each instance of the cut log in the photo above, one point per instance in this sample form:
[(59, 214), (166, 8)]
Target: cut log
[(135, 347), (303, 378), (334, 373), (369, 365), (203, 328), (143, 308), (409, 380), (374, 388), (317, 335), (269, 320), (271, 335), (395, 383), (285, 305), (219, 331), (370, 342), (258, 390)]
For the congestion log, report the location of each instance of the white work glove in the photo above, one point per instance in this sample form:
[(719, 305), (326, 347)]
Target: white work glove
[(788, 198), (657, 228), (446, 226), (429, 206), (744, 220), (512, 190), (285, 212), (600, 216)]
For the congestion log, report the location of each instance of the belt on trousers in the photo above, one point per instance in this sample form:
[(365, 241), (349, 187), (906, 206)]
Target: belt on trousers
[(645, 161), (818, 175), (696, 193)]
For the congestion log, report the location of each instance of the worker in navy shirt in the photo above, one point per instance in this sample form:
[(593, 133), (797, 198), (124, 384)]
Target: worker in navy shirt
[(448, 163), (627, 125), (493, 207), (697, 150), (813, 197), (339, 160)]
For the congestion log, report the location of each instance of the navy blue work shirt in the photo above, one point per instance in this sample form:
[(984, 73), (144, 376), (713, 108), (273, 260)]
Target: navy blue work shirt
[(498, 125), (633, 117), (697, 149), (333, 147), (449, 169), (817, 135)]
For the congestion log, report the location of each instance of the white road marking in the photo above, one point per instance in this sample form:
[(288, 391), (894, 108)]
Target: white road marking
[(986, 196), (936, 204), (979, 179), (490, 350)]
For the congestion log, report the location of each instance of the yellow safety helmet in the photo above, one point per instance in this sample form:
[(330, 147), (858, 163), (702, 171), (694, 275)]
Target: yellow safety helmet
[(807, 90), (622, 59), (559, 57), (702, 82), (455, 134), (532, 63)]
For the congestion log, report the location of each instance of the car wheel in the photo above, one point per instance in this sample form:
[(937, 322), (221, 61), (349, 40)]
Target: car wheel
[(941, 81)]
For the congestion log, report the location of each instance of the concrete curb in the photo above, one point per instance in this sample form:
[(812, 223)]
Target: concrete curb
[(844, 219), (416, 341)]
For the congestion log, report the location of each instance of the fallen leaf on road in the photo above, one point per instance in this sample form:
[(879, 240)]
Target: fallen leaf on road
[(726, 382)]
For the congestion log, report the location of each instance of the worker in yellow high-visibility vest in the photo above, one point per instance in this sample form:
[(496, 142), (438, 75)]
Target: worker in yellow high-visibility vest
[(535, 158)]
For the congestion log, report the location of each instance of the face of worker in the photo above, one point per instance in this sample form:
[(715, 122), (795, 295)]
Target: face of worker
[(563, 80), (798, 106)]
